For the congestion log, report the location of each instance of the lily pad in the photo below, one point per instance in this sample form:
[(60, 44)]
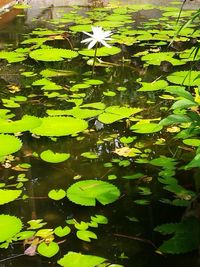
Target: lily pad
[(188, 78), (86, 235), (59, 231), (101, 52), (60, 126), (26, 123), (50, 156), (144, 128), (74, 259), (7, 195), (9, 227), (12, 56), (48, 250), (87, 192), (9, 144), (56, 194), (52, 54), (154, 86)]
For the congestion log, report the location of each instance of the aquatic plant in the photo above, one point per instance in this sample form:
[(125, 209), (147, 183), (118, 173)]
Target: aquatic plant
[(99, 36)]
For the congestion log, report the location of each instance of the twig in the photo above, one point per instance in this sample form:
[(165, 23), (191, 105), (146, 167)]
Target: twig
[(136, 238)]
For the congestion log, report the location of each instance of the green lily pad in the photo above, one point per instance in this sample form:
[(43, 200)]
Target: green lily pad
[(86, 235), (144, 128), (87, 192), (9, 144), (99, 219), (188, 78), (60, 126), (52, 54), (59, 231), (101, 52), (12, 56), (57, 194), (9, 227), (73, 259), (50, 156), (26, 123), (7, 195), (154, 86), (89, 155), (157, 58), (80, 113), (48, 250)]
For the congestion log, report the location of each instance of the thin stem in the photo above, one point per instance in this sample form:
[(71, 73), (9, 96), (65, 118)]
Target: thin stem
[(94, 60), (136, 238)]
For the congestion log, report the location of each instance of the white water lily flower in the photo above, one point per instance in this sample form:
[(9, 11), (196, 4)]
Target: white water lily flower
[(98, 36)]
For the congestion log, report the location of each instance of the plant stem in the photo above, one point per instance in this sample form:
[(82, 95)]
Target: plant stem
[(94, 60)]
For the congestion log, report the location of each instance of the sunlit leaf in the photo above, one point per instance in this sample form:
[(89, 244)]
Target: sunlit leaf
[(87, 192), (86, 235), (48, 250), (9, 227), (56, 194), (50, 156), (73, 259)]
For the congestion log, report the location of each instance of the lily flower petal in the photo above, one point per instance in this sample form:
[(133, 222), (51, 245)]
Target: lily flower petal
[(98, 36)]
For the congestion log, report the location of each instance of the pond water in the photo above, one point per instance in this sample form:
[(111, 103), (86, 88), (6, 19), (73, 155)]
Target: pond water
[(67, 116)]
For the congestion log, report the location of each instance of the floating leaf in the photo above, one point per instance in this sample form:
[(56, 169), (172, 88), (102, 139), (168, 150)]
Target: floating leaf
[(86, 235), (48, 250), (59, 231), (153, 86), (9, 227), (12, 56), (47, 73), (26, 123), (36, 224), (9, 144), (116, 113), (73, 259), (7, 195), (57, 194), (99, 219), (60, 126), (192, 142), (144, 128), (24, 235), (157, 58), (101, 52), (87, 192), (76, 112), (52, 54), (127, 152), (188, 78), (89, 155), (50, 156)]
